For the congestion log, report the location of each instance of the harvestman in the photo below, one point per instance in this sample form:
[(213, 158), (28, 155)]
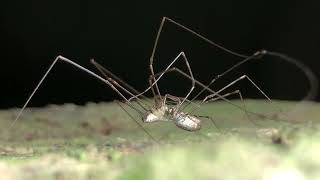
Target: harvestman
[(161, 112)]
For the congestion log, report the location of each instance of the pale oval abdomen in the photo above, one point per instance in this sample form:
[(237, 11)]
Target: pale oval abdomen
[(187, 122)]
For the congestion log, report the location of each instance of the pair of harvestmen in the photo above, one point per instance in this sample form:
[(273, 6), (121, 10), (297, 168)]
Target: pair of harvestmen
[(161, 111)]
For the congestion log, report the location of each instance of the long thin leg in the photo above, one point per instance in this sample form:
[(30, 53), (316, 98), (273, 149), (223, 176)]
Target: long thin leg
[(216, 94), (196, 34), (178, 100), (192, 32), (175, 69), (79, 67), (211, 119), (262, 53), (312, 78), (108, 73), (191, 78), (232, 83), (154, 93), (309, 74), (105, 71), (313, 81), (212, 96), (160, 76), (238, 92), (224, 96), (257, 55), (124, 109), (156, 80)]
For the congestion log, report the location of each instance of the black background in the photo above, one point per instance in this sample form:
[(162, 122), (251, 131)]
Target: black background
[(120, 35)]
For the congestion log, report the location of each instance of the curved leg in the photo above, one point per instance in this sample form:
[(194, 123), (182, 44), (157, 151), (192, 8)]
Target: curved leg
[(313, 80)]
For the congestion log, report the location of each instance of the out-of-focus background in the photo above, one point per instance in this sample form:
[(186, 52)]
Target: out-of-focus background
[(120, 35)]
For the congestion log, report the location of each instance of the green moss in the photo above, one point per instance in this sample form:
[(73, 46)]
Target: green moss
[(99, 141)]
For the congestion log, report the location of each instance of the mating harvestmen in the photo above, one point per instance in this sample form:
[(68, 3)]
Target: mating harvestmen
[(161, 111)]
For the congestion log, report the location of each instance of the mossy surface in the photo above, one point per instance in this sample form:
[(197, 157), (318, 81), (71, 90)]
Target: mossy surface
[(100, 141)]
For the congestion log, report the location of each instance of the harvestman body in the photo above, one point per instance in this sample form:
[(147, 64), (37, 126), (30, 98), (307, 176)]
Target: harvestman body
[(160, 111)]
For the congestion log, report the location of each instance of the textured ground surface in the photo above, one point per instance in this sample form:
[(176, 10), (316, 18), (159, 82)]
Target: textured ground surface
[(99, 141)]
